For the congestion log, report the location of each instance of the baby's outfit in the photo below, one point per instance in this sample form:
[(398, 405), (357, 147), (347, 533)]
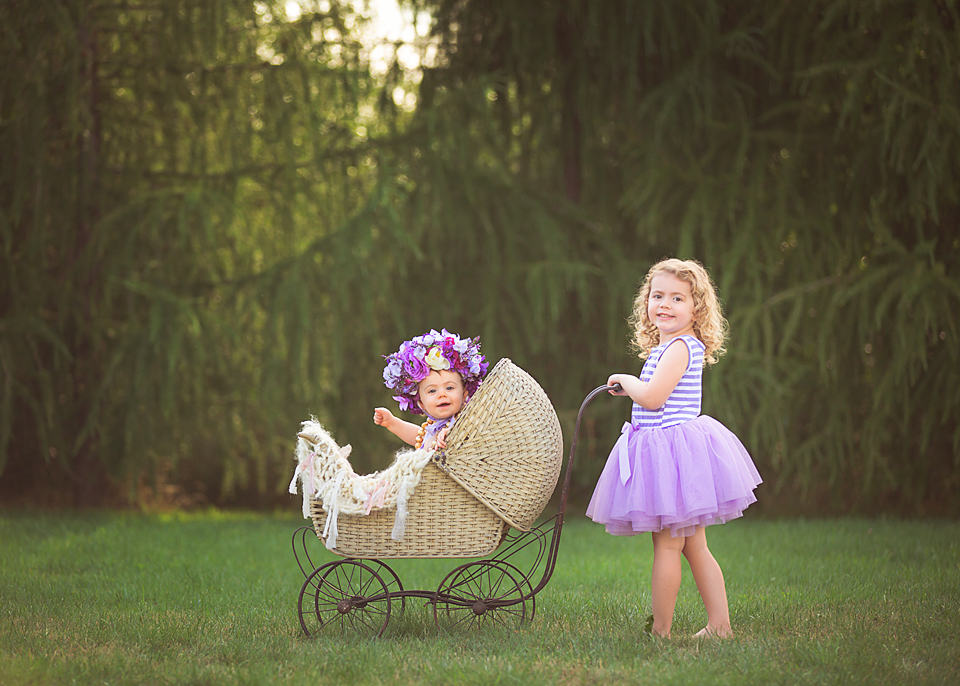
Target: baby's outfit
[(430, 436), (674, 468)]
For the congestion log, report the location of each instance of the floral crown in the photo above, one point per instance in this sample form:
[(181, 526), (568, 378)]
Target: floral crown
[(434, 351)]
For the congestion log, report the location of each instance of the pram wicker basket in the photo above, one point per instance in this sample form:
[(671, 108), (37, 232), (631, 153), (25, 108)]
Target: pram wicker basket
[(500, 468)]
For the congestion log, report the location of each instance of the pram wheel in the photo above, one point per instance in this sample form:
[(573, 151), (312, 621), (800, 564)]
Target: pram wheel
[(479, 594), (344, 594)]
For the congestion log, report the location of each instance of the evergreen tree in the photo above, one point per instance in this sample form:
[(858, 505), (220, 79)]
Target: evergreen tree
[(215, 218)]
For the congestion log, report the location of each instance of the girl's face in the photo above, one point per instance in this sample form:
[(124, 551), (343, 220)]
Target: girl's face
[(670, 306), (441, 394)]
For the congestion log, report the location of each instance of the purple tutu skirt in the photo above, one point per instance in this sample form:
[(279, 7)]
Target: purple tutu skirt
[(693, 474)]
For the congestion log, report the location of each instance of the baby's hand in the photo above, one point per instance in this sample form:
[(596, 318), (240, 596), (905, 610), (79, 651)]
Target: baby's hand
[(441, 439), (382, 416)]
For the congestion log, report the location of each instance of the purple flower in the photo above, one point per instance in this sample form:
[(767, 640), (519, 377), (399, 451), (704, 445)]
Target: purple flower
[(393, 369), (416, 368)]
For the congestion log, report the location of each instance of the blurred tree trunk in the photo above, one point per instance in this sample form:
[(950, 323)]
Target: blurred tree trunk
[(87, 472)]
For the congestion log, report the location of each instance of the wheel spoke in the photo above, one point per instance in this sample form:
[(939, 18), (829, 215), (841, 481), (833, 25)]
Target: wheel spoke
[(481, 594), (328, 591), (390, 578)]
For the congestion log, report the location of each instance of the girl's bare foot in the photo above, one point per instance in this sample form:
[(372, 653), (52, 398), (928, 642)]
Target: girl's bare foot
[(656, 633), (714, 632)]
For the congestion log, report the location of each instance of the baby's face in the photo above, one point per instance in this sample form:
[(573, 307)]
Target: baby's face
[(441, 394)]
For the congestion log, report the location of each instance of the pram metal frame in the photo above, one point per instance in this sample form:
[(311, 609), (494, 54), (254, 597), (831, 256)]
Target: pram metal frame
[(360, 594)]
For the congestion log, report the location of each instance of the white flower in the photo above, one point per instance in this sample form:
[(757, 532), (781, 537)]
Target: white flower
[(436, 360)]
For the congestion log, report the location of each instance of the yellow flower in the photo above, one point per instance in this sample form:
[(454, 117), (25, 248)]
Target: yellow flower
[(435, 359)]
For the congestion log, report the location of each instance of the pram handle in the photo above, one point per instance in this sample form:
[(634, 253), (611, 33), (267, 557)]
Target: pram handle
[(558, 520), (576, 432)]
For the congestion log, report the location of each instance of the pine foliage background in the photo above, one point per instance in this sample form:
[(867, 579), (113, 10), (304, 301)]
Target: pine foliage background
[(215, 218)]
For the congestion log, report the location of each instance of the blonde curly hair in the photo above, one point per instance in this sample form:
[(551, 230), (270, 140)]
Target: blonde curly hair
[(709, 324)]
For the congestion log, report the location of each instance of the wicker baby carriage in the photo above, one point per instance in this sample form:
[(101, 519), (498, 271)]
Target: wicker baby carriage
[(498, 472)]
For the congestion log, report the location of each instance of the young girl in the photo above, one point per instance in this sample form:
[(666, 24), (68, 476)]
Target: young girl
[(674, 471), (434, 374)]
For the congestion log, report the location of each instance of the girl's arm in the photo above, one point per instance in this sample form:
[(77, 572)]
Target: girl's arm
[(652, 394), (405, 431)]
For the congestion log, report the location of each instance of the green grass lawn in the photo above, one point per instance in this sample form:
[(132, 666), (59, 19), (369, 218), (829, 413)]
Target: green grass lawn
[(108, 598)]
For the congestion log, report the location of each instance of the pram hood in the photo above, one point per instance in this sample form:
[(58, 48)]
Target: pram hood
[(506, 447)]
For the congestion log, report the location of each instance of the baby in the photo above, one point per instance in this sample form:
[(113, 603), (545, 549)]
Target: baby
[(434, 374)]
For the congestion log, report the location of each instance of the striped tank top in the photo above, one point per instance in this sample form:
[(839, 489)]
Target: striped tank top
[(684, 402)]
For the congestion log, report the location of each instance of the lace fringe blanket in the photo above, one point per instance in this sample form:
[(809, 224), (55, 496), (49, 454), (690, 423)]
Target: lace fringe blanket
[(325, 474)]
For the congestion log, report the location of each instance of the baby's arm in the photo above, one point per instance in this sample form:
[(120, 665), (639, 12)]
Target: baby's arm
[(654, 393), (405, 431)]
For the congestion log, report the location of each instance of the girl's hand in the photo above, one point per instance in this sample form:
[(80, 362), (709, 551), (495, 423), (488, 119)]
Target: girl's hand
[(383, 417), (618, 380), (440, 440)]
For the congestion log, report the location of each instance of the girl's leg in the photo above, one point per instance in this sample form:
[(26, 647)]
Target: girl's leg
[(709, 578), (665, 579)]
